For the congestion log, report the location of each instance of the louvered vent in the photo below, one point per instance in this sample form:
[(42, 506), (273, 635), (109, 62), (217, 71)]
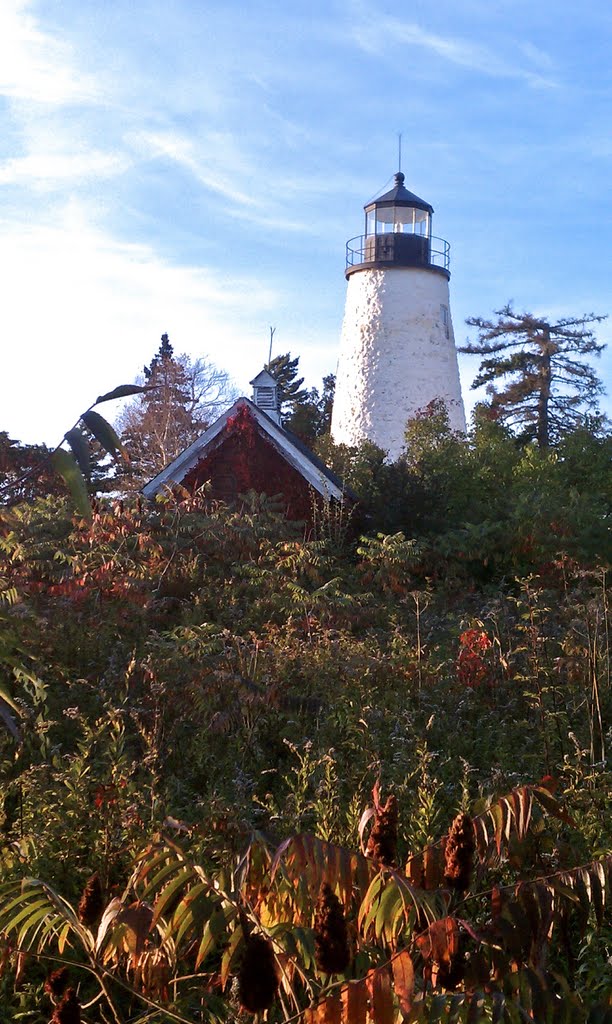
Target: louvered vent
[(265, 395), (265, 399)]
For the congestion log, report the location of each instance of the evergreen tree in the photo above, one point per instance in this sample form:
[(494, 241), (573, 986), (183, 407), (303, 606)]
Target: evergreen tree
[(546, 384), (26, 472), (165, 351), (290, 391), (306, 412), (181, 400), (311, 418)]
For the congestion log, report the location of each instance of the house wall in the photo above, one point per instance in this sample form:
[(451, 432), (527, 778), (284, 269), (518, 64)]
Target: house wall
[(245, 461)]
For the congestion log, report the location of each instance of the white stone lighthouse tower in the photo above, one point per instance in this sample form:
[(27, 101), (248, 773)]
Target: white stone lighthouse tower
[(397, 351)]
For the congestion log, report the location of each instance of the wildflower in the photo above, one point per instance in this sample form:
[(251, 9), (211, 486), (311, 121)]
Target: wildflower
[(459, 853), (91, 903), (331, 939), (56, 983), (257, 977)]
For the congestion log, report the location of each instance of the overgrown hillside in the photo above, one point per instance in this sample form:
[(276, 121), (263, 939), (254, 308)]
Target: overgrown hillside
[(201, 703)]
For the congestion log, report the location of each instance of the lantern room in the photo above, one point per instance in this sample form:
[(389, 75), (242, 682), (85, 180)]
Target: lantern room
[(397, 232), (398, 212)]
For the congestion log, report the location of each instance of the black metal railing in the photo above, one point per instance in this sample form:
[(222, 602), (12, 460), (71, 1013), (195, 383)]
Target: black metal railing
[(401, 249)]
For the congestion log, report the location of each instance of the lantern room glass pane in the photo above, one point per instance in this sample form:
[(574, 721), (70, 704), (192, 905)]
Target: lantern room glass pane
[(397, 220), (421, 223), (384, 221)]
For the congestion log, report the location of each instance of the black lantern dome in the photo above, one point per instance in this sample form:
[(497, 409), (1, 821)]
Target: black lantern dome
[(397, 232)]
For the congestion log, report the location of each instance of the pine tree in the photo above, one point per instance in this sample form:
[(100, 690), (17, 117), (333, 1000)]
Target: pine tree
[(290, 391), (306, 412), (311, 418), (547, 387), (165, 351)]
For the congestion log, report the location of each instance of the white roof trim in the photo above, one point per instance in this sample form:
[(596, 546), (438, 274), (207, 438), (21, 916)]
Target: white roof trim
[(187, 460)]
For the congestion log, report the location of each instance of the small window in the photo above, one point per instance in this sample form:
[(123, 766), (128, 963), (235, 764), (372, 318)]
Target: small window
[(445, 319)]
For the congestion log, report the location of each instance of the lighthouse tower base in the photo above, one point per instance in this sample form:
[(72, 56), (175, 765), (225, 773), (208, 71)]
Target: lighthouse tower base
[(397, 354)]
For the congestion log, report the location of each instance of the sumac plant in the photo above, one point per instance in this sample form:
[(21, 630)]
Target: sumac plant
[(473, 928)]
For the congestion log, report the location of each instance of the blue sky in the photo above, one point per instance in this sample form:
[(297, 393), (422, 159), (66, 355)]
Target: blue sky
[(196, 169)]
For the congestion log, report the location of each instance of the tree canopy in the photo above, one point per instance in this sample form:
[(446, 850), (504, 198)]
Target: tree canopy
[(305, 411), (181, 398), (536, 370)]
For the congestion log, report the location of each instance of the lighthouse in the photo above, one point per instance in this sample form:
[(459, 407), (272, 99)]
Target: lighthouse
[(397, 350)]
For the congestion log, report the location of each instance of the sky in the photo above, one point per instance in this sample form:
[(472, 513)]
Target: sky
[(195, 167)]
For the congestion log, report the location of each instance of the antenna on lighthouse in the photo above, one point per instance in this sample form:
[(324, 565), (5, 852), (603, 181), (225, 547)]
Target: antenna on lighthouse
[(399, 147)]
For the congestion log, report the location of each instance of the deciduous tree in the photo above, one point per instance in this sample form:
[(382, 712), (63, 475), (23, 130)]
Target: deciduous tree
[(181, 399)]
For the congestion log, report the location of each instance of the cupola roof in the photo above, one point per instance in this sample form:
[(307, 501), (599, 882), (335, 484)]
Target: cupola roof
[(400, 196), (264, 379)]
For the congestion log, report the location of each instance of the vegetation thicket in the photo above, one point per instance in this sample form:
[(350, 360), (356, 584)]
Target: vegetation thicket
[(332, 777)]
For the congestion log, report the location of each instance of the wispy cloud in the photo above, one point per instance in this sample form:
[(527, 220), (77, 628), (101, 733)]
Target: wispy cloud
[(100, 306), (35, 66), (379, 34), (45, 171), (217, 161), (209, 172)]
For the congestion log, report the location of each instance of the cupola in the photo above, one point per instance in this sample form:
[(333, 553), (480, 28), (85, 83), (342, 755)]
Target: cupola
[(397, 232), (265, 395)]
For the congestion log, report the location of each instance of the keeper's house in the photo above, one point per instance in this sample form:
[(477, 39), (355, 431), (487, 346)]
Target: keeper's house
[(247, 449)]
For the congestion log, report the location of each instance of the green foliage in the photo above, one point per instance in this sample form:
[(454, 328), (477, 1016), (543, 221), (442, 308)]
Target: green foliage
[(206, 699), (306, 412), (482, 506), (285, 371), (25, 472)]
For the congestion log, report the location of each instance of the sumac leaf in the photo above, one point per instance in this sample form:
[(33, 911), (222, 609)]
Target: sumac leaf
[(355, 1002), (232, 950), (403, 981), (80, 450), (552, 806), (7, 717), (328, 1011), (64, 464), (122, 391), (105, 434), (381, 996)]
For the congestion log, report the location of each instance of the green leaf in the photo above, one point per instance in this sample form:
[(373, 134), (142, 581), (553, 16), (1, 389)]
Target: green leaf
[(105, 434), (230, 954), (122, 391), (64, 464), (80, 450), (184, 878), (213, 931), (552, 806)]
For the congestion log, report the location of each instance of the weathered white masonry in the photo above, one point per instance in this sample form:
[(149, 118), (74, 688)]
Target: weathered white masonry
[(397, 350)]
